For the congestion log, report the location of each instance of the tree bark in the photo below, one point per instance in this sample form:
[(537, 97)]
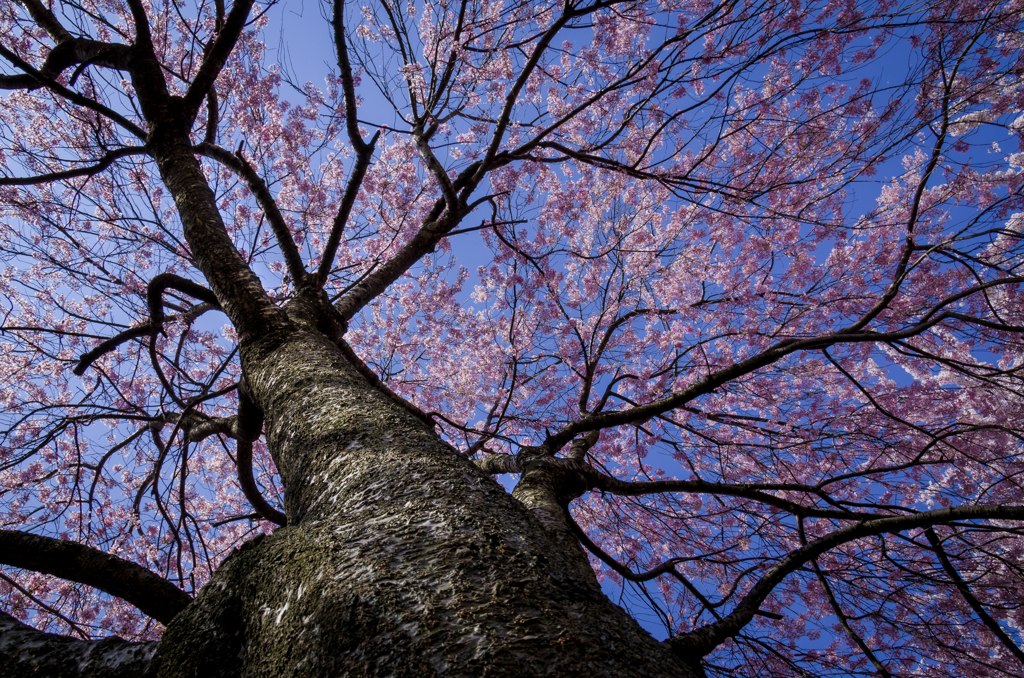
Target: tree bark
[(401, 558), (26, 652)]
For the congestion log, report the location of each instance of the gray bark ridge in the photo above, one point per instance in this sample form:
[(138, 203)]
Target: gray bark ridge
[(401, 558)]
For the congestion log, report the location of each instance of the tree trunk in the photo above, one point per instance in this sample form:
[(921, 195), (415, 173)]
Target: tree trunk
[(401, 558)]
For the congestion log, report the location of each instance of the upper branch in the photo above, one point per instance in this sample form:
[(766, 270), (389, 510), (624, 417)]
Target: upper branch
[(238, 164), (245, 427), (248, 483), (69, 52), (769, 356), (364, 151), (103, 163), (754, 492), (965, 591), (528, 68), (438, 223), (236, 287), (145, 330), (595, 480), (347, 81), (215, 57), (72, 96), (364, 154), (164, 281), (45, 19)]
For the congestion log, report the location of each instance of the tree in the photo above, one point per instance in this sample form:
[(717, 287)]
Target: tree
[(745, 339)]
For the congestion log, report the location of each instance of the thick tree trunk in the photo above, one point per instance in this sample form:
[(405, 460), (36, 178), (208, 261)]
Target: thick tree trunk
[(401, 558)]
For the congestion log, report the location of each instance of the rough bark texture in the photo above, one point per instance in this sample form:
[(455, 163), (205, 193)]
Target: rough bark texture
[(401, 558), (25, 652)]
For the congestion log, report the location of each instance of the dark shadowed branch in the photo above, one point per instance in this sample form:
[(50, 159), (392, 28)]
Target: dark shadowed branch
[(972, 600), (146, 590), (24, 651), (145, 330), (706, 638), (109, 345), (72, 96), (101, 164), (69, 52), (844, 619), (161, 283), (238, 164), (368, 374), (249, 488)]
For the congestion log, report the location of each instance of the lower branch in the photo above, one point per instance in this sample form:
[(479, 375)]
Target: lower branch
[(249, 489), (109, 345), (623, 571), (146, 590), (844, 621), (965, 591), (705, 639), (498, 463), (667, 567), (146, 330), (25, 651)]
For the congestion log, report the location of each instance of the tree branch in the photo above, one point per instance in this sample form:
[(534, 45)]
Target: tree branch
[(109, 345), (46, 20), (361, 367), (347, 81), (248, 483), (24, 651), (73, 97), (754, 492), (705, 639), (148, 329), (151, 593), (364, 156), (435, 227), (965, 592), (239, 291), (844, 621), (215, 58), (245, 427), (767, 357), (71, 52), (103, 163), (212, 117), (498, 463), (595, 480), (623, 571), (283, 235), (165, 281)]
